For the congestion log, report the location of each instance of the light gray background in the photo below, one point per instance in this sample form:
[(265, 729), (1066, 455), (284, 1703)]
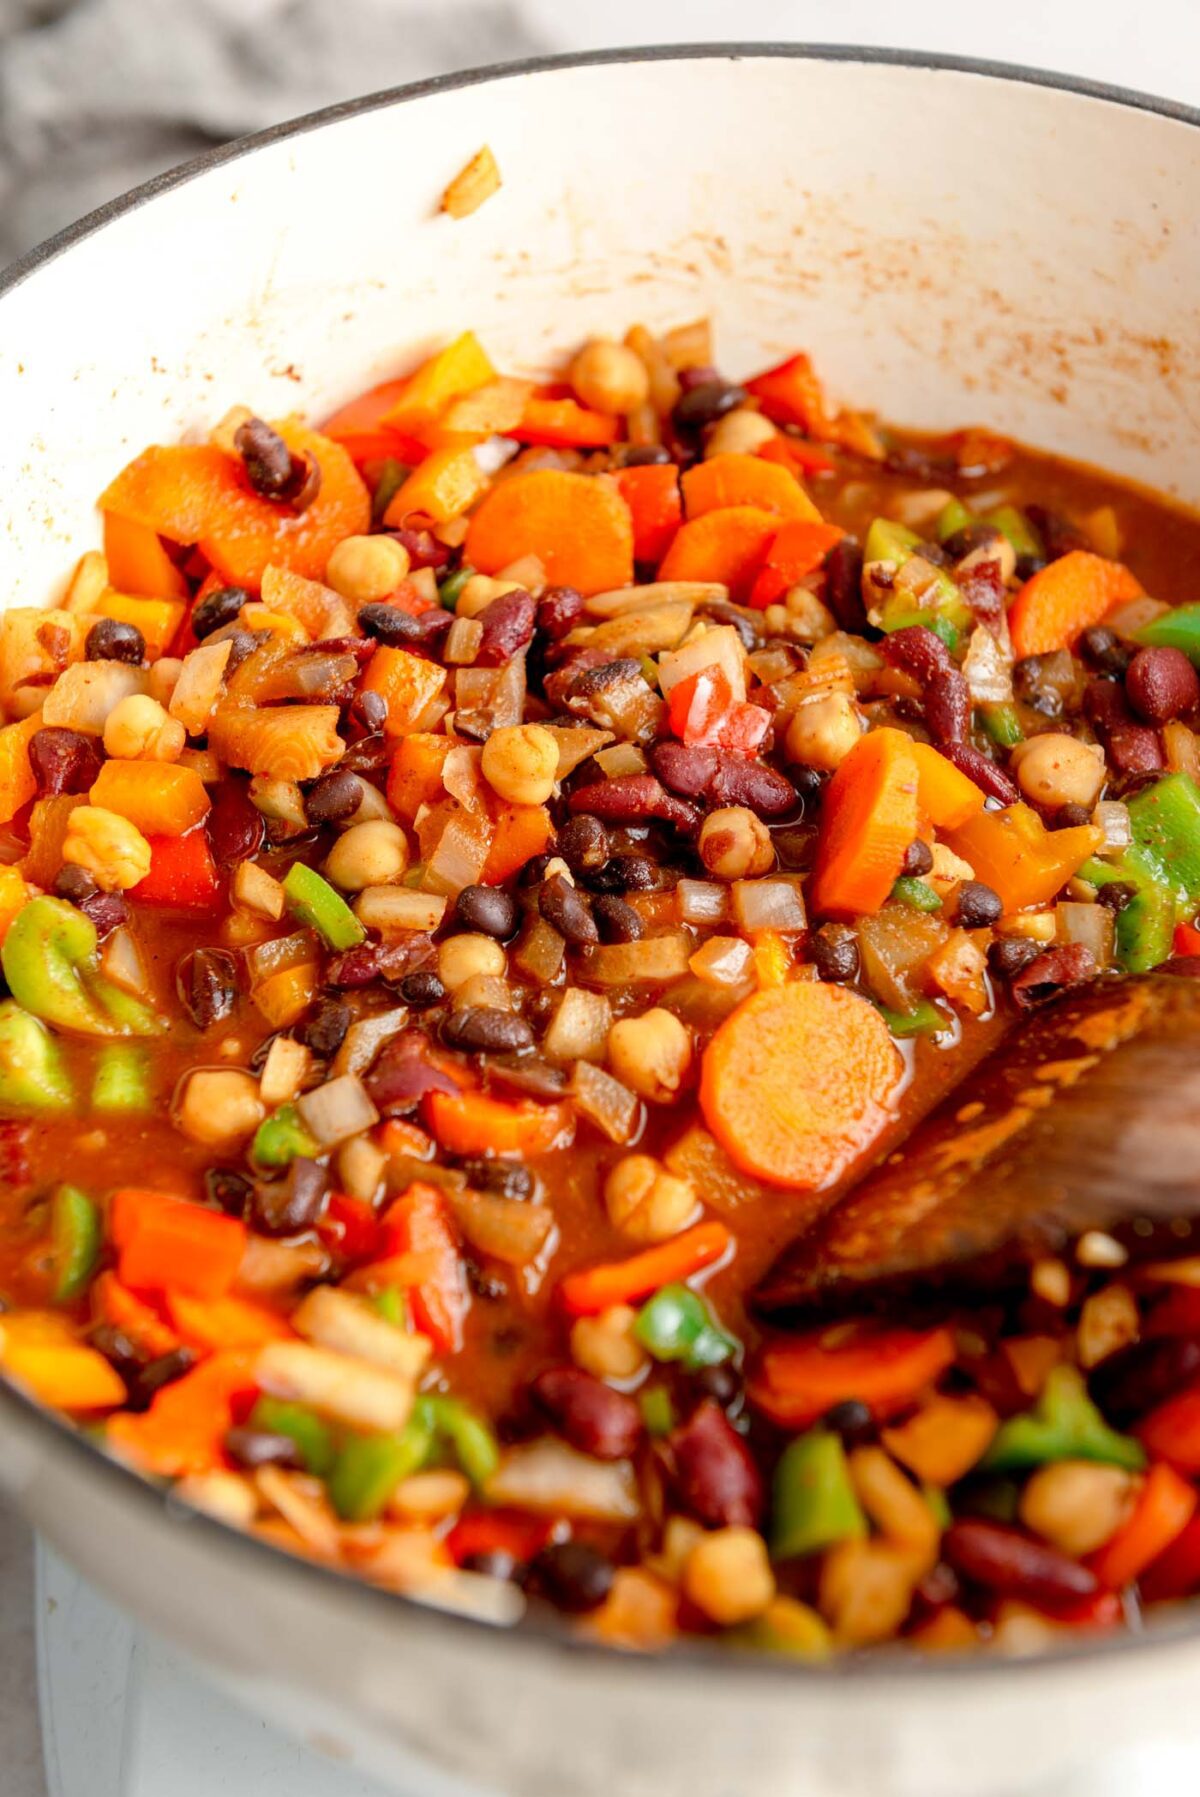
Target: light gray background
[(96, 95)]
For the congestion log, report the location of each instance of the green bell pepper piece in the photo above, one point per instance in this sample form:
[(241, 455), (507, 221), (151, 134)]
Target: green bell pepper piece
[(677, 1325), (280, 1137), (76, 1234), (1064, 1424), (1016, 527), (1146, 927), (392, 477), (888, 541), (314, 901), (51, 965), (1178, 628), (392, 1306), (33, 1077), (923, 1020), (368, 1468), (915, 894), (1165, 819), (812, 1500), (462, 1430), (453, 585), (122, 1081), (891, 619), (1002, 724), (953, 517), (658, 1412), (277, 1416), (940, 607)]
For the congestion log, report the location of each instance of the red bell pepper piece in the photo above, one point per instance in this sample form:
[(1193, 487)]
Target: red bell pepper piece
[(1176, 1573), (1165, 1506), (655, 505), (790, 393), (499, 1532), (182, 873), (1178, 1313), (799, 549), (360, 429), (1187, 939), (701, 709), (167, 1242), (351, 1230), (419, 1223), (1171, 1431)]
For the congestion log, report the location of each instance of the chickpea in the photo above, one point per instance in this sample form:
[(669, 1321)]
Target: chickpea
[(608, 377), (520, 763), (366, 569), (139, 729), (824, 731), (606, 1345), (108, 846), (468, 957), (1056, 769), (734, 844), (370, 854), (728, 1575), (483, 989), (1077, 1505), (740, 432), (219, 1106), (645, 1202), (651, 1054)]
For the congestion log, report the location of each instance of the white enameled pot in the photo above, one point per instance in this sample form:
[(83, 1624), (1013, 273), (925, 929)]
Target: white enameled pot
[(954, 244)]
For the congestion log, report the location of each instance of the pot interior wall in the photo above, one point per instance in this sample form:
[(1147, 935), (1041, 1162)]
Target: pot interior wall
[(952, 247)]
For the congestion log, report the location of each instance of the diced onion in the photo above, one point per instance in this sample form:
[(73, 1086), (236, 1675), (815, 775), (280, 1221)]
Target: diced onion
[(722, 961), (349, 1389), (392, 910), (84, 694), (301, 1502), (265, 958), (988, 669), (576, 745), (346, 1324), (508, 698), (553, 1479), (768, 905), (122, 964), (460, 855), (702, 901), (621, 758), (655, 961), (656, 592), (579, 1028), (339, 1108), (461, 776), (1113, 818), (366, 1037), (507, 1229), (611, 1106), (1091, 925), (540, 952), (199, 686), (462, 643), (719, 648), (284, 1071)]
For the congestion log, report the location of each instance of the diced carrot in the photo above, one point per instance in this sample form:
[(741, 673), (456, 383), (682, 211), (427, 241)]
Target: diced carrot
[(798, 1381), (183, 875), (869, 818), (137, 561), (458, 368), (596, 1289), (564, 423), (519, 833), (195, 493), (798, 549), (578, 525), (421, 1225), (441, 487), (115, 1304), (214, 1323), (1012, 852), (160, 797), (415, 776), (723, 481), (790, 393), (173, 1245), (1065, 598), (184, 1430), (473, 1123), (410, 686), (288, 742), (284, 997), (726, 546), (946, 797), (1164, 1507), (655, 505), (17, 782), (795, 1082)]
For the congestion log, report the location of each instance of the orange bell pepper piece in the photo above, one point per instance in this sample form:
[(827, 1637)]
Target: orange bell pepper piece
[(798, 1381), (443, 486), (184, 1430), (410, 686), (166, 1243), (1013, 853), (160, 797), (420, 1224), (946, 797), (459, 368), (137, 561)]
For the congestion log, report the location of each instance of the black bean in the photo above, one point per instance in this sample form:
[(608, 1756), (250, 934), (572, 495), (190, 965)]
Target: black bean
[(615, 920), (109, 640), (851, 1419), (583, 843), (242, 643), (1070, 816), (483, 1029), (796, 845), (206, 981), (333, 798), (1010, 954), (487, 909), (568, 910), (534, 870), (155, 1374), (118, 1349), (326, 1029), (1055, 970), (1103, 650), (370, 710), (229, 1190), (705, 403), (833, 950), (721, 1383), (508, 1178), (843, 585), (421, 989), (74, 884), (508, 624), (631, 873), (918, 859), (282, 1207), (641, 455), (251, 1448), (271, 468), (217, 609), (107, 911), (574, 1575), (971, 537), (1117, 895), (388, 624), (978, 905)]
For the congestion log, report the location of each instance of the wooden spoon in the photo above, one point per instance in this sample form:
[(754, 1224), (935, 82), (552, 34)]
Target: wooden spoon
[(1086, 1118)]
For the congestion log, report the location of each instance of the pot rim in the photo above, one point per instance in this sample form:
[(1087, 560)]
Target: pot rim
[(544, 1631)]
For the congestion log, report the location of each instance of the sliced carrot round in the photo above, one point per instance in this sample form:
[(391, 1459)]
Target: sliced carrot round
[(1066, 598), (194, 493), (795, 1082), (728, 545), (869, 816), (728, 480), (576, 524)]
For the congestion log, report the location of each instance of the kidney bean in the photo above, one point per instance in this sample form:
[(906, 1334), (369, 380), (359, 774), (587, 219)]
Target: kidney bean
[(987, 776), (404, 1073), (706, 402), (916, 650), (853, 1420), (507, 628), (568, 910), (574, 1575), (424, 550), (617, 921), (235, 829), (714, 1471), (228, 1190), (333, 798), (326, 1029), (107, 910), (948, 707), (62, 760), (1053, 972), (1012, 1564), (843, 585), (508, 1178), (1135, 1379), (684, 768), (1162, 684), (559, 610), (834, 953), (589, 1414), (983, 590), (482, 1029), (583, 843), (282, 1207), (759, 788), (635, 798), (251, 1448), (206, 981), (1105, 705)]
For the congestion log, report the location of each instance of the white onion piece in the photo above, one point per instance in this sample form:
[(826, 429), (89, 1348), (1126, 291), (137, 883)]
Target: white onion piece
[(579, 1028), (768, 905), (722, 961), (612, 1107), (342, 1386), (1113, 818), (84, 694), (392, 910), (655, 960), (461, 776), (621, 758), (199, 686), (1091, 925), (339, 1108), (655, 592), (265, 958), (346, 1324), (988, 670), (553, 1479), (702, 901), (460, 855), (366, 1037), (121, 962)]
